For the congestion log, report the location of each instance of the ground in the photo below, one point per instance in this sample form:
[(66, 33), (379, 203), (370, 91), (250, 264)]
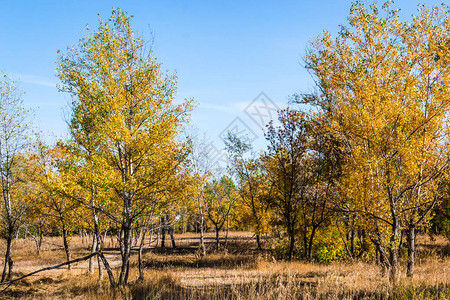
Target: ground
[(241, 273)]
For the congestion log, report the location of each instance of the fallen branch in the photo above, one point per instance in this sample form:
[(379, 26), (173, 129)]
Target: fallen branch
[(46, 269)]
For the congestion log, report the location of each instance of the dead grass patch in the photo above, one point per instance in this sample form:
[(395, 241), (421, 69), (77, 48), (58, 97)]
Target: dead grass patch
[(182, 274)]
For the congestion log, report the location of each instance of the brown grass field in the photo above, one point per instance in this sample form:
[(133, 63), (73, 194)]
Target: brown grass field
[(242, 273)]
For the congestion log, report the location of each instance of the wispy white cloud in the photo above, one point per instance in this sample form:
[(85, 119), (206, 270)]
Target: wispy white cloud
[(242, 105), (33, 79)]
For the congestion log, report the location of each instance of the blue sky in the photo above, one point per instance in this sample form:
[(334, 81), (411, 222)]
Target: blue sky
[(225, 52)]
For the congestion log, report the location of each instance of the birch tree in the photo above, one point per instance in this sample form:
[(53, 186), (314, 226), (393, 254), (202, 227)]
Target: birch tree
[(14, 143), (117, 83)]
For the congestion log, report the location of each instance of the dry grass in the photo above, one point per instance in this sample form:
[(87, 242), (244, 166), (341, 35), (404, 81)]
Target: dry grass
[(181, 274)]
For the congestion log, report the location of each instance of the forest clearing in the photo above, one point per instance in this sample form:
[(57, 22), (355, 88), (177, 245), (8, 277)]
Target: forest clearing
[(242, 273), (346, 197)]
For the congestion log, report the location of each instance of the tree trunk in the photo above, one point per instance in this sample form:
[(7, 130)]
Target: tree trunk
[(226, 236), (137, 236), (98, 248), (163, 232), (311, 239), (7, 272), (151, 237), (411, 250), (108, 269), (125, 251), (170, 231), (305, 243), (93, 250), (393, 254), (292, 244), (10, 268), (217, 237), (37, 241), (112, 239), (382, 259), (393, 249), (66, 245), (291, 247), (141, 246), (100, 271), (172, 238), (202, 220), (158, 234), (104, 237), (394, 264), (258, 241), (400, 246), (352, 242), (202, 237)]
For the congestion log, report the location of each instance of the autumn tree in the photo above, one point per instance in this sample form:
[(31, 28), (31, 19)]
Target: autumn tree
[(252, 186), (51, 177), (219, 201), (286, 164), (384, 85), (201, 166), (14, 144), (119, 89)]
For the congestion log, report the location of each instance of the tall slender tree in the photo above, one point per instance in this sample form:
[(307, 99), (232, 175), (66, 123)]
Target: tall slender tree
[(15, 141), (251, 185), (286, 163), (120, 92)]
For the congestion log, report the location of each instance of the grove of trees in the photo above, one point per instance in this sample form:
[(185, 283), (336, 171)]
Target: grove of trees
[(353, 170)]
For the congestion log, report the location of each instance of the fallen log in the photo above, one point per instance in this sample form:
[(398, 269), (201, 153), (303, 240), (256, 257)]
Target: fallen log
[(9, 283)]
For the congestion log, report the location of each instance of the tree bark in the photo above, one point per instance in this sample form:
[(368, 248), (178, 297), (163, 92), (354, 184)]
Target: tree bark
[(226, 236), (400, 246), (292, 243), (125, 251), (104, 237), (66, 245), (258, 242), (112, 239), (7, 272), (108, 269), (394, 264), (217, 237), (141, 246), (202, 220), (411, 250), (170, 231), (311, 239), (151, 237), (93, 250), (100, 271), (352, 242), (382, 259), (37, 241), (163, 232), (393, 249)]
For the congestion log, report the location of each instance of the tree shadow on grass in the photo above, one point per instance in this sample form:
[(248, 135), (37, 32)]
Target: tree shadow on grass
[(221, 262)]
